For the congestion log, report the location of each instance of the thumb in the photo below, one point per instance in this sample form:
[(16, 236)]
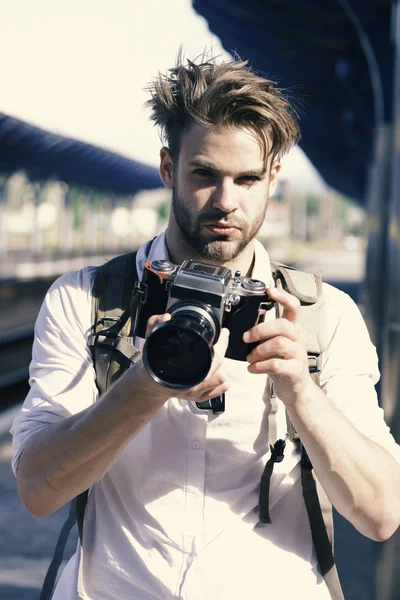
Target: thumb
[(156, 320), (223, 341)]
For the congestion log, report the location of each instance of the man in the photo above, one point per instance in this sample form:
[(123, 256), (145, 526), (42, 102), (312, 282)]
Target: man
[(172, 510)]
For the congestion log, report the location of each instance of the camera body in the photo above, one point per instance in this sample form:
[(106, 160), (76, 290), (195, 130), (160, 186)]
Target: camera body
[(202, 298)]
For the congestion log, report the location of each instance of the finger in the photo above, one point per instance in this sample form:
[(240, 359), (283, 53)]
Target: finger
[(272, 366), (215, 379), (291, 304), (213, 382), (155, 320), (212, 393), (289, 370), (222, 343), (277, 347), (219, 353), (216, 375), (271, 329)]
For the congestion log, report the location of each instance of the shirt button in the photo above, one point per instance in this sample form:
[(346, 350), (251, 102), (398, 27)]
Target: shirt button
[(195, 445)]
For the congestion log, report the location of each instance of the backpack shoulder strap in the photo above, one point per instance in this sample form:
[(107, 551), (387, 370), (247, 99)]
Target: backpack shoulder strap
[(307, 287), (111, 341), (112, 350)]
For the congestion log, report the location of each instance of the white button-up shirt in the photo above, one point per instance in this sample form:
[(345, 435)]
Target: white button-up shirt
[(176, 515)]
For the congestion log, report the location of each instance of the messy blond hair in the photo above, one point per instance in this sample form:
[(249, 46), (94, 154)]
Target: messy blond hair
[(226, 93)]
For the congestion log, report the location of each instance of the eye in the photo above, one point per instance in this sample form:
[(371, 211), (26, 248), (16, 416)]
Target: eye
[(248, 179), (203, 172)]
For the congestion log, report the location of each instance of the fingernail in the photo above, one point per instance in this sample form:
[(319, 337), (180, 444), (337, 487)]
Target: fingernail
[(246, 336)]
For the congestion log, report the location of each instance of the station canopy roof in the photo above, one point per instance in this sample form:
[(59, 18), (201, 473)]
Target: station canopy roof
[(43, 155), (335, 60)]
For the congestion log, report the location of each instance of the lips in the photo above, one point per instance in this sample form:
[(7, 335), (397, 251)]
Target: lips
[(221, 228), (221, 225)]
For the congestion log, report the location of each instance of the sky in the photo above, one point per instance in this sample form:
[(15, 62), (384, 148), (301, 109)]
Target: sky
[(79, 68)]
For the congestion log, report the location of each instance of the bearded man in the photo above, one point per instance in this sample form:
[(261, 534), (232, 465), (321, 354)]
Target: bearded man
[(173, 507)]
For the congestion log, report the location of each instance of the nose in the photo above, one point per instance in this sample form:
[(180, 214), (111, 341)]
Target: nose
[(224, 196)]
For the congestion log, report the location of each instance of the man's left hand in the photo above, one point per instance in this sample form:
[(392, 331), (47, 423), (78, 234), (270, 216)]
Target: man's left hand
[(281, 352)]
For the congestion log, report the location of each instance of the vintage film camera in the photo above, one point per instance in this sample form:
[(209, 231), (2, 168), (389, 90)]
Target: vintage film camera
[(201, 298)]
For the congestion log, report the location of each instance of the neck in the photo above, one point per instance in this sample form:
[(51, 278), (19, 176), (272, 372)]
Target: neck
[(179, 250)]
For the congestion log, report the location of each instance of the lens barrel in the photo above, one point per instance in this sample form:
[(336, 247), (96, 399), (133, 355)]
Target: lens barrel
[(178, 353)]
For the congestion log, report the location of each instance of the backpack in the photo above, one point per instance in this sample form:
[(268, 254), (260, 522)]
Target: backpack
[(112, 349)]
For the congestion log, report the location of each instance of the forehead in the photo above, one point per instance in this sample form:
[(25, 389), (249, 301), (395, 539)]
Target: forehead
[(224, 147)]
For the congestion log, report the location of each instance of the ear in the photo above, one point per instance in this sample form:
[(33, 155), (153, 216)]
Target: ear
[(166, 168), (273, 178)]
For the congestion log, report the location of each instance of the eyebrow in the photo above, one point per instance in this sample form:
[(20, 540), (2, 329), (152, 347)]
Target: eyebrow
[(203, 164)]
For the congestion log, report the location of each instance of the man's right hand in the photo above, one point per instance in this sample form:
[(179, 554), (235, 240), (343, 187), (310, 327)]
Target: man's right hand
[(216, 381), (64, 459)]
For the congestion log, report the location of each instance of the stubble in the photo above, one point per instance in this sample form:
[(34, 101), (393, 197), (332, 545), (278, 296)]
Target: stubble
[(219, 249)]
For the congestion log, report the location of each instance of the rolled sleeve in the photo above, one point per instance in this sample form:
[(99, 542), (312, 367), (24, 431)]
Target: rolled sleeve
[(349, 370), (62, 377)]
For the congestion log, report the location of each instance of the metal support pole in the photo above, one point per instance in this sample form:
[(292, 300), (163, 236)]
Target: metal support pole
[(387, 572)]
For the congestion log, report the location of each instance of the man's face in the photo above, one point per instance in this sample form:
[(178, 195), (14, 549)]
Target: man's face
[(220, 190)]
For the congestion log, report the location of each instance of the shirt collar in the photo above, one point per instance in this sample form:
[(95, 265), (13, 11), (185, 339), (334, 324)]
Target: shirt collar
[(262, 265), (152, 250)]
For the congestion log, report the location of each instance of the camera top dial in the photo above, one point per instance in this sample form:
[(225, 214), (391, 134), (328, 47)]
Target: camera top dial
[(163, 266), (254, 285)]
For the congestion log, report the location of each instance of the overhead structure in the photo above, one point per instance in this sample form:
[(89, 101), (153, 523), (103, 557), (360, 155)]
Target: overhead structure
[(43, 154), (340, 62), (335, 58)]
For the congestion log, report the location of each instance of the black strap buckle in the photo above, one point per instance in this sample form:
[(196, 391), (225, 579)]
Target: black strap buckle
[(313, 363), (217, 404), (106, 339)]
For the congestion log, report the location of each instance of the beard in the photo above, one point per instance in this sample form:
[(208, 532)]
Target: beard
[(209, 246)]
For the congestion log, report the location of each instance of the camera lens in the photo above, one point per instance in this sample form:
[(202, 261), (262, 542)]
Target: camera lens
[(178, 353)]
